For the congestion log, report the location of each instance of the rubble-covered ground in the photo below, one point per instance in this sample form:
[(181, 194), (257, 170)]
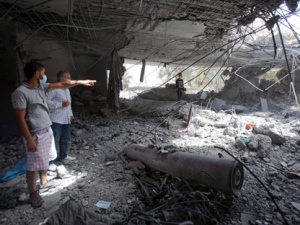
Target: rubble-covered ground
[(139, 195)]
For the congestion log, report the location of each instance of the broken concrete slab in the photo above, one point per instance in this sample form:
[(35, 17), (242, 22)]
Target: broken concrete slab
[(264, 105), (235, 108), (220, 124), (11, 183), (274, 108), (217, 104), (231, 131), (52, 200), (203, 95), (37, 221), (296, 205), (262, 144), (247, 218), (263, 114), (265, 130)]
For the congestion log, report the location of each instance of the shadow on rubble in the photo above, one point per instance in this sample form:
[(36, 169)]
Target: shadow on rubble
[(165, 199)]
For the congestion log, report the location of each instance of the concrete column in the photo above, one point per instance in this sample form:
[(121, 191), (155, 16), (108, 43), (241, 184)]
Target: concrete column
[(8, 75)]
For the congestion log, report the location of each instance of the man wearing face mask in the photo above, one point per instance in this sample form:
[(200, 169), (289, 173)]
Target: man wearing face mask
[(61, 115), (32, 117)]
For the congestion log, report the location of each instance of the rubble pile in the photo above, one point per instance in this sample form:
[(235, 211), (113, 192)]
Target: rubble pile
[(267, 143), (168, 93)]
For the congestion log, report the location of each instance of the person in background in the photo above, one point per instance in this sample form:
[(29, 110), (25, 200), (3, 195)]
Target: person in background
[(179, 86), (32, 117), (61, 115)]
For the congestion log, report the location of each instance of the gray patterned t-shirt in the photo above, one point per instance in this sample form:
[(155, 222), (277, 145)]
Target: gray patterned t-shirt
[(34, 101)]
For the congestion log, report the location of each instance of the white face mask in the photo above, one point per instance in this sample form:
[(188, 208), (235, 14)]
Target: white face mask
[(44, 80)]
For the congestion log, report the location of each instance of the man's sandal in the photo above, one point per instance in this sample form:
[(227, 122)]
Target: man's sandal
[(35, 199)]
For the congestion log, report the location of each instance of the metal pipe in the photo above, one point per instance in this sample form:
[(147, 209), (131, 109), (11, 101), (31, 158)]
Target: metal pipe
[(284, 51), (33, 21), (62, 32), (83, 17), (143, 70), (100, 14), (43, 22), (226, 175), (73, 23), (91, 18)]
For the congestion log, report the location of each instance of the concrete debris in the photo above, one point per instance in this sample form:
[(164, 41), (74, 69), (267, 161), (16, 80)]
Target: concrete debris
[(263, 114), (61, 171), (10, 183), (283, 164), (220, 124), (240, 143), (231, 131), (261, 144), (248, 218), (265, 130), (234, 108), (295, 167), (136, 164), (52, 200), (264, 105), (245, 157), (217, 104), (296, 205), (101, 171)]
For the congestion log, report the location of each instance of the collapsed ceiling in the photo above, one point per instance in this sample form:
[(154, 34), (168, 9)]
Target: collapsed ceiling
[(168, 31)]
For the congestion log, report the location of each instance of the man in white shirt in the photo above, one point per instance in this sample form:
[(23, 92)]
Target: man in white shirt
[(61, 115)]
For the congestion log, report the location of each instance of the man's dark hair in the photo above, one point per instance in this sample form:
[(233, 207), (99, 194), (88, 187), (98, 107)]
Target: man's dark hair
[(60, 74), (31, 67)]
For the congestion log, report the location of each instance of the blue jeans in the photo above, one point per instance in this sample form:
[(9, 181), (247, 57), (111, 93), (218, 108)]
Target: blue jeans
[(61, 133), (179, 94)]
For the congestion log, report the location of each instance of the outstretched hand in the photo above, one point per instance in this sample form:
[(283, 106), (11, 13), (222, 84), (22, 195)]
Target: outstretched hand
[(88, 82)]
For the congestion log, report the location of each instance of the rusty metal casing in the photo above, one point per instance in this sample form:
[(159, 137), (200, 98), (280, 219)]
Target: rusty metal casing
[(223, 174)]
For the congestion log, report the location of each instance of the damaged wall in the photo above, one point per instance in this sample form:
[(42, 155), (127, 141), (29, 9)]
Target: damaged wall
[(237, 88), (47, 51), (87, 67), (51, 54), (8, 74)]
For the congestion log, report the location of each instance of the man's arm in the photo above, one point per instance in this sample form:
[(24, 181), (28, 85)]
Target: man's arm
[(72, 115), (22, 125), (71, 83)]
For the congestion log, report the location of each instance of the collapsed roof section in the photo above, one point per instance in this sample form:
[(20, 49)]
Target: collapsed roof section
[(173, 31)]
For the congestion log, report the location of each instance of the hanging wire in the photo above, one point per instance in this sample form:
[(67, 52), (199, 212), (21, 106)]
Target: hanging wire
[(68, 39), (8, 11), (297, 68)]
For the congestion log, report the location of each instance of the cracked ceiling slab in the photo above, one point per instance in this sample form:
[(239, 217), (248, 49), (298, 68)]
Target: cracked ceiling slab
[(173, 31)]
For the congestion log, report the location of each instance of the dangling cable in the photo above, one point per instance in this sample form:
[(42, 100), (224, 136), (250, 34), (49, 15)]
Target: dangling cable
[(288, 66)]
